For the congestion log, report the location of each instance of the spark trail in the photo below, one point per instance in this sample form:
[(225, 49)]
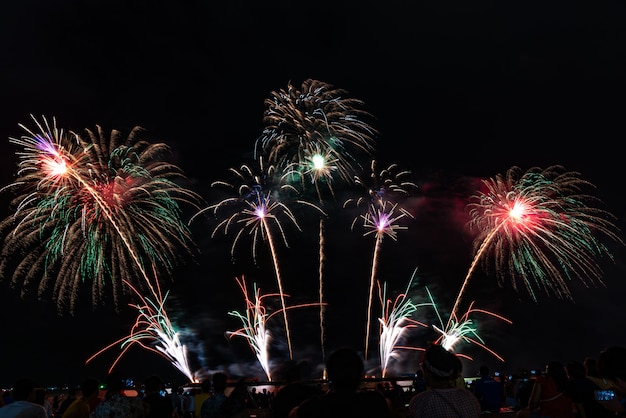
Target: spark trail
[(154, 332), (395, 321), (381, 219), (80, 200), (319, 134), (542, 227), (256, 209)]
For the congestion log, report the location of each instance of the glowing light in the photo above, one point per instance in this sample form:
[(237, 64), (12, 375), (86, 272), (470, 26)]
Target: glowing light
[(319, 134), (154, 332), (92, 209), (318, 162), (382, 217), (256, 209), (463, 329), (395, 321), (542, 227)]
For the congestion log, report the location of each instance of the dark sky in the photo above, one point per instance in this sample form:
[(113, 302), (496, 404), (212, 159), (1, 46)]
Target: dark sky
[(460, 90)]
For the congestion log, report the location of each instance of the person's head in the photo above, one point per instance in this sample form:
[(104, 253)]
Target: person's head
[(220, 381), (153, 384), (205, 385), (484, 370), (612, 365), (556, 371), (240, 390), (345, 369), (115, 382), (575, 370), (24, 390), (440, 365), (591, 367), (90, 388)]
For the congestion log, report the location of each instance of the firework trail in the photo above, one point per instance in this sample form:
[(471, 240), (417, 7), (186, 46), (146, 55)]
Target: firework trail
[(319, 134), (92, 207), (254, 329), (540, 227), (381, 219), (254, 322), (257, 210), (152, 331), (463, 329), (395, 320)]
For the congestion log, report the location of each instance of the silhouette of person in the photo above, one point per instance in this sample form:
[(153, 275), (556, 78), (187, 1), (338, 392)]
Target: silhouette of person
[(82, 407), (548, 396), (443, 398), (236, 404), (199, 398), (72, 394), (156, 405), (612, 367), (116, 404), (489, 392), (211, 406), (582, 391), (345, 370), (295, 391), (23, 405)]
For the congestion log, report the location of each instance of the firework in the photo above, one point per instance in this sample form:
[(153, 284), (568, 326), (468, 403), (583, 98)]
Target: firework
[(254, 329), (463, 329), (152, 331), (254, 323), (92, 208), (540, 227), (381, 219), (256, 209), (395, 321), (316, 120), (318, 133)]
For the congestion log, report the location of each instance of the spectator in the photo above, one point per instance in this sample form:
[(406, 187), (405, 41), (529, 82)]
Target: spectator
[(549, 397), (612, 367), (236, 405), (345, 370), (177, 401), (442, 398), (295, 391), (116, 404), (582, 391), (211, 406), (199, 398), (593, 374), (71, 395), (23, 405), (489, 392), (156, 403), (42, 398), (82, 407)]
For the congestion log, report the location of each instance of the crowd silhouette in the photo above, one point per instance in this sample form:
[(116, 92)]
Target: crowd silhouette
[(593, 387)]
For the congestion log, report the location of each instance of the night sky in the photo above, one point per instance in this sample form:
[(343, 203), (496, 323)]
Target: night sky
[(458, 91)]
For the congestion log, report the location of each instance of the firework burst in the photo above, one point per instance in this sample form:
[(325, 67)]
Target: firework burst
[(94, 208), (316, 119), (383, 217), (463, 329), (257, 209), (541, 227), (319, 133)]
